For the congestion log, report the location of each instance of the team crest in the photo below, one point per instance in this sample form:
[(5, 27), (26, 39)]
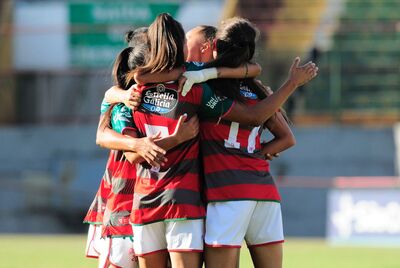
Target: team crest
[(160, 88), (159, 99)]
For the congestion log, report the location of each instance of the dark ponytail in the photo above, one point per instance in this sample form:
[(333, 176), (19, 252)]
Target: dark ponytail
[(235, 44), (136, 37), (121, 67)]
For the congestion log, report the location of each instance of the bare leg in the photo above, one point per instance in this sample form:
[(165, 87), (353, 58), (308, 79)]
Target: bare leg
[(154, 260), (268, 256), (185, 259), (221, 257)]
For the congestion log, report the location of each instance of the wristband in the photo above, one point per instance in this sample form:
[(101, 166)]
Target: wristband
[(210, 73)]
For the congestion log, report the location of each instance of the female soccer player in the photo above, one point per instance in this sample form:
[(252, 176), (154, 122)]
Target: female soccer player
[(120, 173), (237, 176)]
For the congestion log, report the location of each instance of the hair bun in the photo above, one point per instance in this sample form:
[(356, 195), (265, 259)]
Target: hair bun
[(129, 35)]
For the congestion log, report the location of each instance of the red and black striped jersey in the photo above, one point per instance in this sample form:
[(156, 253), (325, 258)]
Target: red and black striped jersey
[(98, 206), (122, 174), (113, 202), (96, 210), (234, 167), (173, 191)]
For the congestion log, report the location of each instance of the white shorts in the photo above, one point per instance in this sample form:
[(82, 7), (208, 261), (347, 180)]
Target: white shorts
[(229, 223), (119, 252), (94, 241), (174, 236)]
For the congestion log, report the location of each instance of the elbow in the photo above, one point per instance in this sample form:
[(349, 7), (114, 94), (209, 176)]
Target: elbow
[(99, 141), (291, 141), (258, 69)]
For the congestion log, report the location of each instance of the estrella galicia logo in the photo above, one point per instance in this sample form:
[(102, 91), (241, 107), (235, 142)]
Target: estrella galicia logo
[(159, 99)]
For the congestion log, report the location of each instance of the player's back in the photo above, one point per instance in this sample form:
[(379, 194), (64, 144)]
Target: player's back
[(234, 168), (172, 191)]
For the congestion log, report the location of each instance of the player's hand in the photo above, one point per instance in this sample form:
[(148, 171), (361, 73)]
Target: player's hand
[(270, 157), (151, 153), (195, 77), (181, 83), (191, 77), (133, 98), (186, 130), (299, 75)]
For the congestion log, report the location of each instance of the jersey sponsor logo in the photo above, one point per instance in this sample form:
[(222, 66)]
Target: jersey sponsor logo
[(247, 93), (214, 100), (159, 99)]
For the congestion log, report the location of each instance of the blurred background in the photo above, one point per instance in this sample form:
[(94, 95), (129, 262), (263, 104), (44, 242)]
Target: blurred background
[(341, 180)]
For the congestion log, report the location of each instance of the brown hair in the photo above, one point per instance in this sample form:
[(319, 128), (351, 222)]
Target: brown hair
[(166, 42), (209, 32)]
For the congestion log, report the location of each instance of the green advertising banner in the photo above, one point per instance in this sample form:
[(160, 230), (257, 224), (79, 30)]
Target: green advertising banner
[(97, 28)]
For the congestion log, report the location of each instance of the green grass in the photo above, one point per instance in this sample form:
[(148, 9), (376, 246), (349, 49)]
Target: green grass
[(43, 251)]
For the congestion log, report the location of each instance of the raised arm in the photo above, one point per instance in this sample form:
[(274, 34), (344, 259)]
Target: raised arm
[(263, 110)]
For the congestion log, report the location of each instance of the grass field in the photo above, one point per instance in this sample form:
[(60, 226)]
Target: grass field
[(19, 251)]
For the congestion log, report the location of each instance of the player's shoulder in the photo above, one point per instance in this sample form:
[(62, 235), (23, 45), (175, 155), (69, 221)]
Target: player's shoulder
[(121, 109)]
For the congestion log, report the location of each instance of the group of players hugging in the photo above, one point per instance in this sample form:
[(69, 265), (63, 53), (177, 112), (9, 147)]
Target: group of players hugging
[(187, 178)]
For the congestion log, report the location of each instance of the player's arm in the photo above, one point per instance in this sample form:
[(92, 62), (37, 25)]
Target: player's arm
[(120, 118), (243, 71), (150, 149), (184, 131), (159, 77), (108, 138), (131, 98), (146, 147), (197, 74), (283, 136), (259, 113)]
